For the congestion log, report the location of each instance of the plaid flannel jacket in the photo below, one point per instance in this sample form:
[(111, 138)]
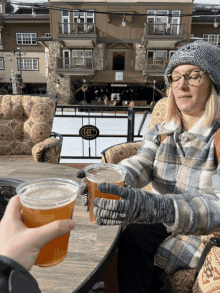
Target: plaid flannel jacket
[(183, 167)]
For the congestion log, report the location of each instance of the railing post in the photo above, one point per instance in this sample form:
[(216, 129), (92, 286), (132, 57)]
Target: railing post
[(131, 118)]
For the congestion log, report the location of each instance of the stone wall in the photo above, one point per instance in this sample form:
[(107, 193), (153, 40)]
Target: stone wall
[(98, 55), (140, 57), (56, 84)]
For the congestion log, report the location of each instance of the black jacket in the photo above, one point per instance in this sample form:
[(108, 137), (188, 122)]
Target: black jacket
[(14, 278)]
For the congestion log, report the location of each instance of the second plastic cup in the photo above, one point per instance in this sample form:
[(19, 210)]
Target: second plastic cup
[(44, 201), (96, 173)]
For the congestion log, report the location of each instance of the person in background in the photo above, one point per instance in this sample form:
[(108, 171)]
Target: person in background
[(20, 247), (132, 104), (164, 227)]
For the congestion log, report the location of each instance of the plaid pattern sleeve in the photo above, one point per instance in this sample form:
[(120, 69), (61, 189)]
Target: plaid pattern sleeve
[(140, 166), (182, 167)]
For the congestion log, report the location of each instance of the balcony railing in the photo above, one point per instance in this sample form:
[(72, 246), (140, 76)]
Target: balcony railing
[(76, 28), (75, 63), (155, 63), (163, 29)]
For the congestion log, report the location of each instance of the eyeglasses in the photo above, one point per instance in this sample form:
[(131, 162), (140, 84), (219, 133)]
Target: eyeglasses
[(192, 77)]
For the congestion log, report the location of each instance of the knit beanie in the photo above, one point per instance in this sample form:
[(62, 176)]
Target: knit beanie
[(200, 53)]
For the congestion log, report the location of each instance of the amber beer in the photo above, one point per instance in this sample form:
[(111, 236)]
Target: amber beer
[(96, 173), (44, 201)]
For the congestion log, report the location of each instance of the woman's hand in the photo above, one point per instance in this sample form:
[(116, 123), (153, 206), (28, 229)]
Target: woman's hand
[(84, 188), (135, 206), (23, 244)]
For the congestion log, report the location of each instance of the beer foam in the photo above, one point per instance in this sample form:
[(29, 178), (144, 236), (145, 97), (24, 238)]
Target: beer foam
[(47, 192), (107, 175)]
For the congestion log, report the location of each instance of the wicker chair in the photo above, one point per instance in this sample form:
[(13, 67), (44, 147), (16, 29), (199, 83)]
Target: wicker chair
[(25, 129), (181, 281)]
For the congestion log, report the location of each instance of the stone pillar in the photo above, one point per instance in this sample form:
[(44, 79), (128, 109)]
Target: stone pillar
[(55, 84), (98, 56), (140, 57)]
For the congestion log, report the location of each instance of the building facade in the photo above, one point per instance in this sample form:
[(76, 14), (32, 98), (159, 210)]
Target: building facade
[(20, 52), (113, 59)]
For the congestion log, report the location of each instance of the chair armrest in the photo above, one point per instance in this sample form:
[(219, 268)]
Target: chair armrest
[(48, 150), (59, 140), (119, 152)]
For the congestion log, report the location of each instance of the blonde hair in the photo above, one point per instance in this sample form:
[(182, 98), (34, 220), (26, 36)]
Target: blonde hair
[(212, 108)]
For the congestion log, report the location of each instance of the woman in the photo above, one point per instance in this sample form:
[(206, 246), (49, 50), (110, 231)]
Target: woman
[(179, 209), (20, 247)]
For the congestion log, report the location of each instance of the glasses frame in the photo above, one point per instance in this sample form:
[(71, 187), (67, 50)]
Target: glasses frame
[(201, 72)]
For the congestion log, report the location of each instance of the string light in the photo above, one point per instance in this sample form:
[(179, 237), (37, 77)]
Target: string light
[(78, 19), (33, 13), (107, 13), (215, 23), (168, 25), (123, 21)]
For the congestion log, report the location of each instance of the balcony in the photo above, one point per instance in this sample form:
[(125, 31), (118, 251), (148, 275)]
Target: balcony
[(153, 30), (75, 66), (155, 67), (169, 36), (77, 34)]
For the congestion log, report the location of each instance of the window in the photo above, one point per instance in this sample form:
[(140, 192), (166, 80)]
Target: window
[(175, 26), (26, 38), (85, 17), (66, 58), (2, 63), (0, 8), (0, 38), (82, 57), (157, 19), (156, 57), (86, 21), (212, 39), (47, 35), (65, 19), (28, 64)]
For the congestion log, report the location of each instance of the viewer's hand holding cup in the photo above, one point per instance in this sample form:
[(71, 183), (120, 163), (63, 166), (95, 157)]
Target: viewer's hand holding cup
[(23, 244)]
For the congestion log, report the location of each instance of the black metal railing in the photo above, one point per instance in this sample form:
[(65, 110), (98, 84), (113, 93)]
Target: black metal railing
[(151, 63), (96, 112), (76, 28), (75, 63), (163, 29)]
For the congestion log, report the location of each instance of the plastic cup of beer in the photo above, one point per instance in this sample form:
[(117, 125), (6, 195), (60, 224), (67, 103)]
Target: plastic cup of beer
[(96, 173), (44, 201)]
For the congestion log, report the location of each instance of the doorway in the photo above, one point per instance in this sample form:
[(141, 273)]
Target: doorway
[(118, 61)]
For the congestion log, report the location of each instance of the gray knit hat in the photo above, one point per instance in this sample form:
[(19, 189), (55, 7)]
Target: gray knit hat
[(201, 54)]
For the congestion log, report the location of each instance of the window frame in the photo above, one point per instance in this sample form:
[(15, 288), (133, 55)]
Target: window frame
[(66, 65), (24, 59), (2, 66), (178, 21), (22, 39), (65, 17)]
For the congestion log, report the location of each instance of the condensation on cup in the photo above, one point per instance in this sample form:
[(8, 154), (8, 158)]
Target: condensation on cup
[(44, 201)]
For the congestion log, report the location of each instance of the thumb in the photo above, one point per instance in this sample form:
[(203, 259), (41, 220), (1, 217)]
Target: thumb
[(81, 174), (44, 234)]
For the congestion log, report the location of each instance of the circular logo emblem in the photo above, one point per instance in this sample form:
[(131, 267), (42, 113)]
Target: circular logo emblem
[(89, 132)]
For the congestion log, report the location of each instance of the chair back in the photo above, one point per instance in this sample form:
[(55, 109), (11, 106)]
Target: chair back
[(24, 122), (158, 113)]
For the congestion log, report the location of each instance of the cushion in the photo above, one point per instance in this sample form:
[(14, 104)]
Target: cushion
[(24, 122)]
